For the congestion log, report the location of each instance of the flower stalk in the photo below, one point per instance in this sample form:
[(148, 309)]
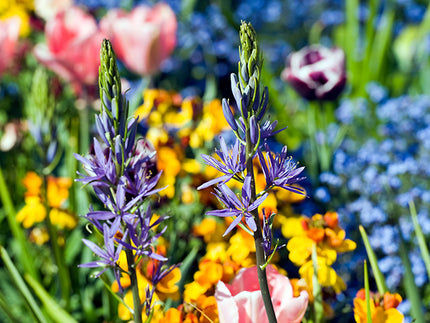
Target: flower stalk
[(258, 238), (120, 170), (251, 129)]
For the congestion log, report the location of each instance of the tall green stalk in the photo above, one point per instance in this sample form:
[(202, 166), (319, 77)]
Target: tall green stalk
[(258, 236), (249, 73), (137, 304)]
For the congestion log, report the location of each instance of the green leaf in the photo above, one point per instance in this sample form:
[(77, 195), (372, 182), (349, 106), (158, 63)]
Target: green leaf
[(411, 289), (420, 237), (53, 309), (22, 287), (379, 278), (24, 248), (367, 291), (317, 291)]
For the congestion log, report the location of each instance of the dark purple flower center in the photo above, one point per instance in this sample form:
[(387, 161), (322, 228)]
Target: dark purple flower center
[(319, 77), (311, 58)]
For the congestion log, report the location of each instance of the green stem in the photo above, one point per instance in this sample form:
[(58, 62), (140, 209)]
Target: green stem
[(24, 249), (63, 274), (137, 304), (258, 236)]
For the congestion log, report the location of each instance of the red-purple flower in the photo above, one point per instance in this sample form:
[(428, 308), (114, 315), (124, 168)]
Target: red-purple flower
[(316, 72)]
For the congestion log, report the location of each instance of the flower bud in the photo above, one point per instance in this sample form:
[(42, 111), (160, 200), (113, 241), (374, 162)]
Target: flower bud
[(229, 115), (316, 72), (254, 130)]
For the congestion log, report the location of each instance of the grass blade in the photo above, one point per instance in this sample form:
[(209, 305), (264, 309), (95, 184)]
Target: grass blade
[(411, 289), (420, 237), (22, 287), (379, 278), (53, 309), (367, 292)]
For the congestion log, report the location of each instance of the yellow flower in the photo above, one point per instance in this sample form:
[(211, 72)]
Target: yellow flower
[(210, 229), (382, 309), (62, 219), (210, 124), (192, 291), (167, 287), (20, 9), (290, 226), (39, 236), (58, 190), (168, 162), (33, 212), (327, 276), (216, 251)]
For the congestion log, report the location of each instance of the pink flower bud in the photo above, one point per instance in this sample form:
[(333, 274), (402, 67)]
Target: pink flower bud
[(241, 302)]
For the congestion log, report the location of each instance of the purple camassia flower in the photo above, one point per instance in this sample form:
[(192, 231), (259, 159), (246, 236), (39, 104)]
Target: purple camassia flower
[(142, 238), (236, 207), (316, 72), (266, 129), (100, 167), (109, 255), (157, 275), (232, 162), (267, 235), (279, 170)]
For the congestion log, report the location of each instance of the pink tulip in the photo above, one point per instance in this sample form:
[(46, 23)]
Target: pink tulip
[(241, 302), (143, 38), (73, 47), (9, 34)]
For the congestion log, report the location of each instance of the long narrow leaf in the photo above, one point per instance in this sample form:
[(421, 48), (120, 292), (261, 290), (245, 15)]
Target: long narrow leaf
[(5, 307), (420, 237), (367, 292), (317, 291), (53, 309), (380, 45), (24, 254), (22, 287), (379, 278), (351, 37), (411, 289)]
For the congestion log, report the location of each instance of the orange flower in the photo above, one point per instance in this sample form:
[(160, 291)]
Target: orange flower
[(32, 183), (382, 309), (58, 190)]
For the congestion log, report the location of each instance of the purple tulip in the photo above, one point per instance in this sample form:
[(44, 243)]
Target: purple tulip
[(316, 72)]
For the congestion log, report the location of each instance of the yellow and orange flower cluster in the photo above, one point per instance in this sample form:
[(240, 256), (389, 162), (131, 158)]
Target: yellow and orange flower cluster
[(383, 309), (324, 232), (176, 124), (36, 209), (166, 288), (223, 259)]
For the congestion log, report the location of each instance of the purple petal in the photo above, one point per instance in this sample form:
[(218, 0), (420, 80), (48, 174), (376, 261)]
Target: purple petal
[(233, 224), (223, 179)]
